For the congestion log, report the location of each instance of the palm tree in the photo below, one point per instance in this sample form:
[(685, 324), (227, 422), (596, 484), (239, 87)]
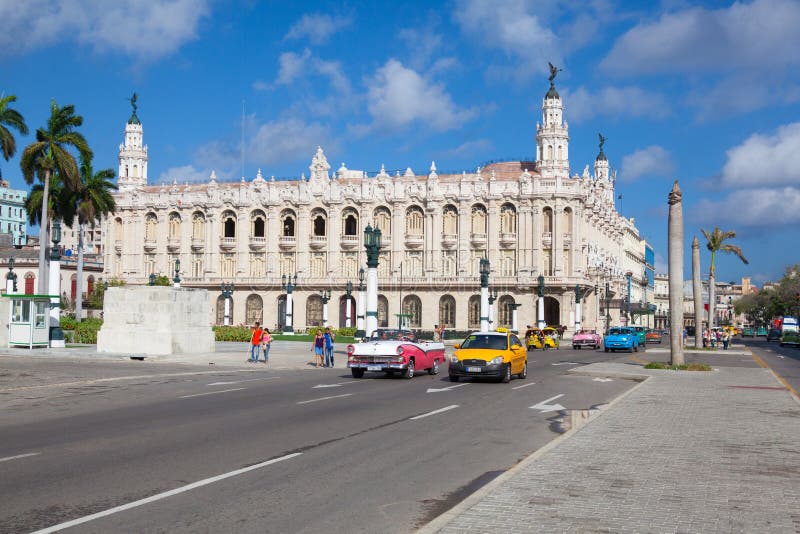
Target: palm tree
[(10, 118), (715, 242), (49, 155), (92, 201)]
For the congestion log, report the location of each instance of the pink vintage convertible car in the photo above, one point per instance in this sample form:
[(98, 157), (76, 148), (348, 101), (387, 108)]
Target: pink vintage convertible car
[(586, 338), (395, 351)]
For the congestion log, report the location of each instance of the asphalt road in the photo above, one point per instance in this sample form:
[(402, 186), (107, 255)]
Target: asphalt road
[(785, 361), (266, 451)]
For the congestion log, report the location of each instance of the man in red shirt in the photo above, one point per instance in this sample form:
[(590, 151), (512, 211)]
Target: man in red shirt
[(255, 343)]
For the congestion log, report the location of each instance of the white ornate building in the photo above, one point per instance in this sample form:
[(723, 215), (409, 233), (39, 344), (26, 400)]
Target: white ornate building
[(529, 217)]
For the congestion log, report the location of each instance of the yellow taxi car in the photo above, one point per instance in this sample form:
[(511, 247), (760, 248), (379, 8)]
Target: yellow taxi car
[(499, 354)]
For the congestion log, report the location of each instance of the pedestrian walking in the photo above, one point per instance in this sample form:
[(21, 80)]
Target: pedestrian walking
[(255, 343), (318, 346), (725, 340), (436, 333), (441, 333), (685, 335), (266, 341), (329, 338)]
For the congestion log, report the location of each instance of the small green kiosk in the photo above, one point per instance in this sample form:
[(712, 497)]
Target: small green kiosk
[(28, 323)]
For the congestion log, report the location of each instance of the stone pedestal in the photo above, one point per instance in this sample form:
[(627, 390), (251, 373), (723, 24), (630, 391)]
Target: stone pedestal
[(156, 320)]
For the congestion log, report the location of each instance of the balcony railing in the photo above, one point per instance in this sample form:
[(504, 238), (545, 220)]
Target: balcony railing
[(198, 243), (547, 239), (477, 240), (508, 239), (415, 241), (173, 244), (287, 242), (349, 242), (118, 245), (227, 243), (149, 245), (449, 241), (258, 243), (317, 242)]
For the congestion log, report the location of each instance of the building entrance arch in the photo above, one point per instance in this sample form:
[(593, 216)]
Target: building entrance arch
[(343, 311), (281, 313), (552, 311)]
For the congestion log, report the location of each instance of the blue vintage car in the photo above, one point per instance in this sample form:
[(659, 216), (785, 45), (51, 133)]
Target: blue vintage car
[(621, 337)]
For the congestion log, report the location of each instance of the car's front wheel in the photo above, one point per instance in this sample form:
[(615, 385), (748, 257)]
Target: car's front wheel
[(409, 372), (357, 372), (507, 375), (524, 374), (434, 370)]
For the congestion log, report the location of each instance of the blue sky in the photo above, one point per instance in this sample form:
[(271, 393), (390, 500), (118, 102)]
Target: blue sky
[(704, 92)]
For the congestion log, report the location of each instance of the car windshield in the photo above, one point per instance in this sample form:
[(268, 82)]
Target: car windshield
[(392, 334), (619, 332), (485, 341)]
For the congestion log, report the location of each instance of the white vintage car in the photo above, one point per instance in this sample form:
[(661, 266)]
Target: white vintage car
[(392, 350)]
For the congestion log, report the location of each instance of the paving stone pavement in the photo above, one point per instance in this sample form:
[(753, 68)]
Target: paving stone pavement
[(683, 452)]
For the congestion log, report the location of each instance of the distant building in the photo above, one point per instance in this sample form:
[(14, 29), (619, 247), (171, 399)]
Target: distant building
[(13, 217)]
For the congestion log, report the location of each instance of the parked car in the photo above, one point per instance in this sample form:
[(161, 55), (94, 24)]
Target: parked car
[(653, 336), (395, 351), (641, 331), (586, 338), (762, 331), (748, 331), (621, 337), (791, 338), (774, 334), (499, 354)]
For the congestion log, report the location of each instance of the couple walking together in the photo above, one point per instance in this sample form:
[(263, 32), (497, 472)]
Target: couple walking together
[(260, 340), (323, 344)]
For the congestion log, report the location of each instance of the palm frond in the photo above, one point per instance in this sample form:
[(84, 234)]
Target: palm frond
[(733, 249)]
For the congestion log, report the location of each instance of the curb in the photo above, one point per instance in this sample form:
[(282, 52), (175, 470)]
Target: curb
[(440, 522)]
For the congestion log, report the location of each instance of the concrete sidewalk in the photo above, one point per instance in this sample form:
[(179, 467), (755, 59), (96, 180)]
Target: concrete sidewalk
[(681, 452)]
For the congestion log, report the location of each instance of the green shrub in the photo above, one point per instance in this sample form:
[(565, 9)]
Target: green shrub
[(683, 367), (349, 332), (81, 332), (232, 333)]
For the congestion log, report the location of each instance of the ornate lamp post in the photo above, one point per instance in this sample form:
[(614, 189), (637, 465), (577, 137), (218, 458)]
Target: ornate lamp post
[(492, 298), (11, 277), (326, 297), (361, 305), (578, 309), (54, 288), (152, 279), (227, 293), (484, 270), (608, 306), (541, 323), (372, 243), (348, 289), (176, 282), (288, 286), (597, 308)]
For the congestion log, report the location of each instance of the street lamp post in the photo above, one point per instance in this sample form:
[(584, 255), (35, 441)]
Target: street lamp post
[(54, 289), (288, 286), (608, 306), (11, 277), (348, 289), (372, 244), (541, 323), (361, 305), (492, 298), (597, 308), (326, 297), (152, 279), (484, 271), (227, 293), (176, 282), (577, 309)]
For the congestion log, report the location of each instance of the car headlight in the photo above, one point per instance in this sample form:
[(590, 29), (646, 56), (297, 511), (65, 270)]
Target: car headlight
[(496, 361), (454, 359), (399, 351)]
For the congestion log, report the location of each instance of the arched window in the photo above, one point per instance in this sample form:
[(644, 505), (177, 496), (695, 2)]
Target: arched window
[(415, 221), (229, 224), (508, 219), (150, 227), (547, 220), (447, 311), (549, 152), (474, 312), (383, 312), (198, 225), (221, 311), (505, 311), (254, 310), (567, 218), (350, 223), (450, 220), (314, 311), (478, 219), (319, 222), (287, 223), (412, 309), (258, 225), (74, 287), (560, 152), (174, 225), (383, 220)]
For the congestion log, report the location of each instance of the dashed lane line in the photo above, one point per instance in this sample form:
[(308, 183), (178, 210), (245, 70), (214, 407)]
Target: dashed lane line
[(325, 398), (164, 495), (241, 381), (434, 412), (210, 393), (18, 456), (525, 385)]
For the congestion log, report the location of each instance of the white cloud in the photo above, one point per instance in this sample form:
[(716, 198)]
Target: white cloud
[(293, 67), (766, 207), (260, 85), (627, 101), (650, 161), (761, 34), (763, 160), (399, 96), (183, 174), (144, 29), (288, 140), (317, 27)]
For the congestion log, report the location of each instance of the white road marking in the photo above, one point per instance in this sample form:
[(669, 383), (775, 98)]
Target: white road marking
[(241, 381), (781, 357), (525, 385), (448, 388), (335, 385), (566, 363), (598, 379), (210, 393), (544, 407), (164, 495), (7, 458), (325, 398), (434, 412)]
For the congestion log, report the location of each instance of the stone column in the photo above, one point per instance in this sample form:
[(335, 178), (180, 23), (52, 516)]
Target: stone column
[(697, 290), (372, 299), (540, 313), (54, 289), (675, 261), (484, 309), (347, 322), (288, 328), (360, 308)]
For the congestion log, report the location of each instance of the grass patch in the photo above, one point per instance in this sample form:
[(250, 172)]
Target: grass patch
[(683, 367)]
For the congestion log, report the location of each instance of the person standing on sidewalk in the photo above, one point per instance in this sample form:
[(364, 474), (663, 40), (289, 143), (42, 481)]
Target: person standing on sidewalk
[(255, 342), (725, 339), (266, 341), (329, 338), (318, 347)]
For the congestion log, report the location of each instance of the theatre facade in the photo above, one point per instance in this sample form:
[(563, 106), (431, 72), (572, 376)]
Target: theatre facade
[(529, 218)]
